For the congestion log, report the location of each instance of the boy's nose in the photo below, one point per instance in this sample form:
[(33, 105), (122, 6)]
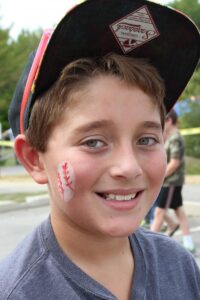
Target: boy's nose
[(125, 163)]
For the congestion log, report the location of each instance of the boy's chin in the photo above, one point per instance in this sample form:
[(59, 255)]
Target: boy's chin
[(124, 230)]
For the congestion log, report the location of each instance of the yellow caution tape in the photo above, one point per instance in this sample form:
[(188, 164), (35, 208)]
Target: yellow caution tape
[(7, 144), (190, 131)]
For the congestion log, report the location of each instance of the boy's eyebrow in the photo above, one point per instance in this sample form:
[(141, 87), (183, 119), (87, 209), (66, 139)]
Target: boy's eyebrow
[(103, 124), (92, 125), (152, 125)]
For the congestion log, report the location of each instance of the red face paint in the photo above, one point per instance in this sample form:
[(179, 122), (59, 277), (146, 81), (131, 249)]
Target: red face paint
[(66, 181)]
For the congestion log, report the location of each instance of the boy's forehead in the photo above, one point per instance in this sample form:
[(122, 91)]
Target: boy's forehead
[(106, 99), (139, 28)]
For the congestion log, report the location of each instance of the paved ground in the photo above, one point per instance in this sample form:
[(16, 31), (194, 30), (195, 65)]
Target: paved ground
[(16, 224)]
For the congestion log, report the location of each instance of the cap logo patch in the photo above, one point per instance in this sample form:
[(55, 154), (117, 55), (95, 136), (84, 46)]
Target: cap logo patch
[(135, 29)]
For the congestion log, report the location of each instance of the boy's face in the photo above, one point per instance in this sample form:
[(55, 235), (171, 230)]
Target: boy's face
[(105, 160)]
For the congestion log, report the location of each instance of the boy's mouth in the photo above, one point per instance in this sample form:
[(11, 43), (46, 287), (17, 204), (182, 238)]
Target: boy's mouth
[(118, 197)]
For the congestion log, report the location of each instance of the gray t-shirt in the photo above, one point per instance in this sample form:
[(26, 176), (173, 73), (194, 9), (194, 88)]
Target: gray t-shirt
[(38, 269)]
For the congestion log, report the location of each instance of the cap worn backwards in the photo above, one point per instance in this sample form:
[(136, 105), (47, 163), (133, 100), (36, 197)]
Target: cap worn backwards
[(138, 28)]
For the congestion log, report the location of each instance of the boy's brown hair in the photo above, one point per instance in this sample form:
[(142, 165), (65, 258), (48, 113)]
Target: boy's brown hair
[(48, 110)]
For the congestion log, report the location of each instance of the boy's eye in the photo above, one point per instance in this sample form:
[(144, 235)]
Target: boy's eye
[(94, 143), (147, 141)]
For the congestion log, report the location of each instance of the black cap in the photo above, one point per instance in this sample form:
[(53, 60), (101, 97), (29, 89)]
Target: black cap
[(138, 28)]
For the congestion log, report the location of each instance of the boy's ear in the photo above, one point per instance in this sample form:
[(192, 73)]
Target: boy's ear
[(29, 157)]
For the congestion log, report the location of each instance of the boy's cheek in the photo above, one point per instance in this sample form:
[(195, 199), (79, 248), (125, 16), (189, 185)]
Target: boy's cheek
[(66, 181), (159, 168)]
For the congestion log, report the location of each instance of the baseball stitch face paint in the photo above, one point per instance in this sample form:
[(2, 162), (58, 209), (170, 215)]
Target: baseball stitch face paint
[(66, 181)]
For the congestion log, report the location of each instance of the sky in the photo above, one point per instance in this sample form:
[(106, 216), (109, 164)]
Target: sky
[(31, 15)]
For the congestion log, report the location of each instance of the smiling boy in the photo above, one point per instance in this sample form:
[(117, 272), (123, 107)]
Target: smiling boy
[(92, 129)]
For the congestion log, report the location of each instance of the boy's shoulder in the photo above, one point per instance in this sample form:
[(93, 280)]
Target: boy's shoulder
[(39, 269), (169, 269), (165, 268), (20, 262), (158, 243), (164, 252)]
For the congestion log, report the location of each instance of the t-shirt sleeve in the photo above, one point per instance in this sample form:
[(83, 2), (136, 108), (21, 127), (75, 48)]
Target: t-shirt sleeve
[(175, 149)]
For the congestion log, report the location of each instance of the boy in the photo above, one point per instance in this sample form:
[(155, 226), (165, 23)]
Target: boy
[(91, 128)]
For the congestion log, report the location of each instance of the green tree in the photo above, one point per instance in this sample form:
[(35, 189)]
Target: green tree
[(193, 87), (13, 56), (190, 8), (191, 119), (5, 58)]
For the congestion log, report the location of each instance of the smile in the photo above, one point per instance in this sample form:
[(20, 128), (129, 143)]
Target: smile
[(121, 200), (118, 197)]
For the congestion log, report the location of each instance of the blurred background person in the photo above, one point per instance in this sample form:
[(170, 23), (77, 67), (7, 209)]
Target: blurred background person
[(170, 195)]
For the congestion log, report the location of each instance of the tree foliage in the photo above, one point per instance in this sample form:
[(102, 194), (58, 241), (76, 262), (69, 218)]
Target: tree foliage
[(5, 55), (190, 119), (190, 8), (193, 87), (13, 55)]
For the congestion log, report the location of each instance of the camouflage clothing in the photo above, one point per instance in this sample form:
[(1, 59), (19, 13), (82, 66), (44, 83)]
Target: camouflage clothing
[(174, 147)]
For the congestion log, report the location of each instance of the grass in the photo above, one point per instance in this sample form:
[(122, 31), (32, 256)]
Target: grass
[(11, 161), (7, 158), (18, 197)]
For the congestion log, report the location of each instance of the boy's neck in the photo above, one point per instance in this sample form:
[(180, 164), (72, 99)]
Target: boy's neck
[(109, 261)]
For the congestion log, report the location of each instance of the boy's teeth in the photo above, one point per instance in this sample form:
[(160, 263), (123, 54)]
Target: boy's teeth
[(119, 197)]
